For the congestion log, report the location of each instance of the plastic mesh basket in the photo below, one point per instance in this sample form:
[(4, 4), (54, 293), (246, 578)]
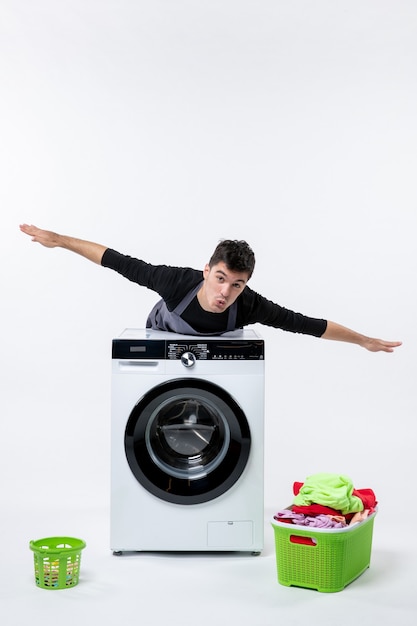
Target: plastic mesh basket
[(327, 559), (57, 561)]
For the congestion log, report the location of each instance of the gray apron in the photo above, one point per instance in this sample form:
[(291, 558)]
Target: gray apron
[(162, 319)]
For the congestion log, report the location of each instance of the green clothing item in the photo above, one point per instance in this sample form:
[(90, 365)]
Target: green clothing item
[(332, 490)]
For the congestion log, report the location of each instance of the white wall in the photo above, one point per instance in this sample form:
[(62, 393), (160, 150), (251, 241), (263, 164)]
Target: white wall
[(158, 128)]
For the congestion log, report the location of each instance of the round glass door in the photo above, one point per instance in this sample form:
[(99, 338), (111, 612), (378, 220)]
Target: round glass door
[(187, 441)]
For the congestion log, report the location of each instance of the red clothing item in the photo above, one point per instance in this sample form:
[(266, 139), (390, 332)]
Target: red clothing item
[(367, 496), (314, 509)]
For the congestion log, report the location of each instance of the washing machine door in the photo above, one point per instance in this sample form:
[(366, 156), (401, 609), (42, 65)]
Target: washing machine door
[(187, 441)]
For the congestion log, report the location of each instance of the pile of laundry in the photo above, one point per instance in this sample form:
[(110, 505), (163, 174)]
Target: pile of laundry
[(328, 500)]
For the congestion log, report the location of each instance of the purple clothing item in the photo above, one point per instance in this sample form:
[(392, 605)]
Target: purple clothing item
[(323, 521), (296, 518), (318, 521)]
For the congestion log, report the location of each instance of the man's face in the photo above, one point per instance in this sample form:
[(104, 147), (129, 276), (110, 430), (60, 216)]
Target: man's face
[(221, 287)]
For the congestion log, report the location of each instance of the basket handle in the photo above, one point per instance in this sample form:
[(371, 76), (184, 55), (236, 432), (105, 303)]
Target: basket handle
[(303, 540)]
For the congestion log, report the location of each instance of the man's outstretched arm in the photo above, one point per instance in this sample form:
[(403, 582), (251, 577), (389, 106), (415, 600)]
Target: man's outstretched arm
[(88, 249), (336, 332)]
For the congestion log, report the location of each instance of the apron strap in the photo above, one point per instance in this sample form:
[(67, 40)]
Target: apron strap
[(180, 308)]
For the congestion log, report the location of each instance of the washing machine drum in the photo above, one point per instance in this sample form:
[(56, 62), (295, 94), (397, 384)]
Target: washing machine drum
[(187, 441)]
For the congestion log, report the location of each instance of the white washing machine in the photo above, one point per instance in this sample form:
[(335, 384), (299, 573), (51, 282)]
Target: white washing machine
[(187, 448)]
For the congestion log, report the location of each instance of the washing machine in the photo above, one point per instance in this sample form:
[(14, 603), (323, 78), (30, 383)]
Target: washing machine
[(187, 442)]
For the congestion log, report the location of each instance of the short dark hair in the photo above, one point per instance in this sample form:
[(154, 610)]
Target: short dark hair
[(237, 255)]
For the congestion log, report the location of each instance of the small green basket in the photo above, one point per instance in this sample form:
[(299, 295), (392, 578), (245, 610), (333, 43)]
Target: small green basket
[(57, 561), (323, 559)]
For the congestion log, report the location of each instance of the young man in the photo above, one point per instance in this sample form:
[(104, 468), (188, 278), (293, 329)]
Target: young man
[(211, 302)]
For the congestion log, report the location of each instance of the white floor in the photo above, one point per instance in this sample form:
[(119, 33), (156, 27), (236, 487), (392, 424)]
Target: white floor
[(203, 589)]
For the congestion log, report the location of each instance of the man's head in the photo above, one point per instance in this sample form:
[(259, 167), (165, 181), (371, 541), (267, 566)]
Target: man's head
[(226, 275), (237, 255)]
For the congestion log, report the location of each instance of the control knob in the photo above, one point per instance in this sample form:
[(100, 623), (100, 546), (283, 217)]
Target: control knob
[(188, 359)]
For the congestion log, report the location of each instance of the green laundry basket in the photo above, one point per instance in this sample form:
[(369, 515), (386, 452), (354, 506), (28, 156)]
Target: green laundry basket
[(323, 559), (57, 561)]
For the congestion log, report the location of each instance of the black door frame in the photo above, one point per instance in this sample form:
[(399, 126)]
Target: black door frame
[(156, 477)]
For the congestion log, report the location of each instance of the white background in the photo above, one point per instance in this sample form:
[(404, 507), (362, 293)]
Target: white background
[(158, 128)]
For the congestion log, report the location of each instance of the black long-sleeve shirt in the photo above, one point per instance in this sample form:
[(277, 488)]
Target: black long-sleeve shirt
[(173, 283)]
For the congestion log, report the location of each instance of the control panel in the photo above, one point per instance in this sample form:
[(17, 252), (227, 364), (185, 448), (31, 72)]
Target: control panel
[(200, 350)]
